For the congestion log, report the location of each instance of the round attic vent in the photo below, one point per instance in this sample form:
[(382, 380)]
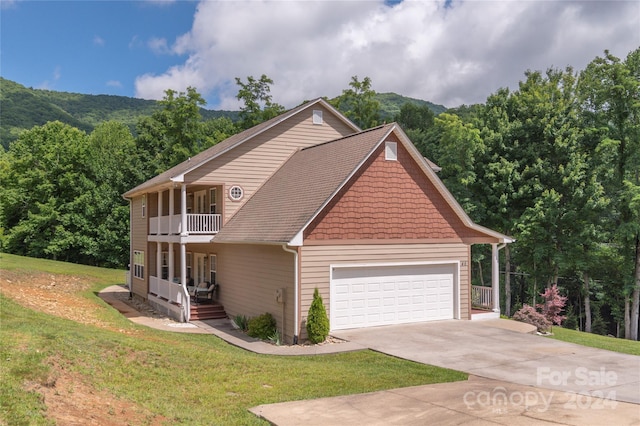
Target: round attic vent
[(236, 193)]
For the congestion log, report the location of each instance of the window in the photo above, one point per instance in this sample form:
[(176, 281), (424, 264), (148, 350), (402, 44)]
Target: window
[(212, 200), (189, 269), (317, 116), (165, 265), (213, 264), (189, 203), (138, 264), (236, 193), (391, 151), (144, 206)]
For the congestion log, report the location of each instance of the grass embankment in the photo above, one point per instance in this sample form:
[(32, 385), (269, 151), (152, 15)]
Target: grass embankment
[(186, 378), (597, 341)]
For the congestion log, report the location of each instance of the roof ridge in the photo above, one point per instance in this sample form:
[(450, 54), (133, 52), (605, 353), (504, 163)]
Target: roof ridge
[(372, 129)]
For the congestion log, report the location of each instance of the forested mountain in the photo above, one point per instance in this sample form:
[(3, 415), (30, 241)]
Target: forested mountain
[(390, 104), (21, 108)]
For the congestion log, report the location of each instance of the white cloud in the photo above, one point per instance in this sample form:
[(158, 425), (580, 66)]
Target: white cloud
[(98, 41), (114, 83), (456, 54), (158, 45), (50, 84)]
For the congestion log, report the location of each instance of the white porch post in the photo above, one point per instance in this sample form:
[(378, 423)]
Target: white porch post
[(171, 201), (183, 209), (158, 260), (183, 265), (171, 263), (159, 230), (495, 277)]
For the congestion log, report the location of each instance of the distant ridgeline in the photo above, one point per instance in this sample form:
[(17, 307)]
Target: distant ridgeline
[(21, 108)]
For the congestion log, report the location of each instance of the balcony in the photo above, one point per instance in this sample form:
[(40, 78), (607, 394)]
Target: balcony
[(197, 224)]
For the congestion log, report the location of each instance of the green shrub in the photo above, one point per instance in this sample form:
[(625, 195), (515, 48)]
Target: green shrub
[(317, 321), (262, 327), (242, 322)]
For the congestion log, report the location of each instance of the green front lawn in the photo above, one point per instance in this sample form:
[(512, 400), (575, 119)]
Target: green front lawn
[(187, 378), (597, 341)]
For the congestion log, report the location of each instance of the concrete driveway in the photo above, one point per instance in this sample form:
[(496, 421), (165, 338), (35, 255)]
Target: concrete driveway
[(516, 379), (483, 350)]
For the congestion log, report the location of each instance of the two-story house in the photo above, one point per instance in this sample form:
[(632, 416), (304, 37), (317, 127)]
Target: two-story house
[(301, 201)]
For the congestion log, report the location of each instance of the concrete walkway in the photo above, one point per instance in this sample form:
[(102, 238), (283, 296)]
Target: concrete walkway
[(222, 328)]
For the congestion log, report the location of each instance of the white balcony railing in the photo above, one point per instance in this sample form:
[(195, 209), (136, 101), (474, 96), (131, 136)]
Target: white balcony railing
[(481, 297), (166, 289), (196, 224)]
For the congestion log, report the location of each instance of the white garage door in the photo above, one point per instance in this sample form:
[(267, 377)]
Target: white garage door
[(384, 295)]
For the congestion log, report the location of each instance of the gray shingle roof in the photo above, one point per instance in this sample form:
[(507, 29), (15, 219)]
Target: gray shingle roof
[(300, 188)]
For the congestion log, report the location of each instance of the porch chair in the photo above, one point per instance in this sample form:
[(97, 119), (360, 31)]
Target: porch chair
[(204, 289)]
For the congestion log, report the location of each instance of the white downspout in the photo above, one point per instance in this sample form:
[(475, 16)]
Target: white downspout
[(495, 275), (296, 307)]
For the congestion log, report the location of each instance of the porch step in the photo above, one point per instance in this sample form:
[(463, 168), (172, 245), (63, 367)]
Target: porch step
[(207, 311)]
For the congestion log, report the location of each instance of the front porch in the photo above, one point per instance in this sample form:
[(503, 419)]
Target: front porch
[(485, 301), (172, 299)]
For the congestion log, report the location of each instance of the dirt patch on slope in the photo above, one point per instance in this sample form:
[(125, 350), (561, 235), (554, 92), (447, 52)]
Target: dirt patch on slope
[(69, 398)]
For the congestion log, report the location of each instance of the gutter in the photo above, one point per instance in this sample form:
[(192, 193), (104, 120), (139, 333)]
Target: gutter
[(296, 307)]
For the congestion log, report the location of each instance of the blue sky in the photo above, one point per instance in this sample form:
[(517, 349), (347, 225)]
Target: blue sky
[(88, 46), (448, 52)]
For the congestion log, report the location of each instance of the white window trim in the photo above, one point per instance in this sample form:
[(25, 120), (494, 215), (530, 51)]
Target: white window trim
[(233, 189), (213, 195), (317, 116), (138, 264), (213, 268), (391, 151)]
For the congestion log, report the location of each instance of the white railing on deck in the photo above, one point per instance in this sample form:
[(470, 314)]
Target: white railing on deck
[(196, 224), (481, 297), (203, 223), (166, 289)]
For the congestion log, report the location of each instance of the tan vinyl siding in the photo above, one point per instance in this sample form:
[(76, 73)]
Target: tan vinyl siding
[(139, 242), (252, 163), (316, 261), (249, 276)]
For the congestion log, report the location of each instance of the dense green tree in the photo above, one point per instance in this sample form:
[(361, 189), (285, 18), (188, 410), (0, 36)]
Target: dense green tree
[(609, 92), (47, 194), (359, 104), (173, 133), (257, 101), (61, 195)]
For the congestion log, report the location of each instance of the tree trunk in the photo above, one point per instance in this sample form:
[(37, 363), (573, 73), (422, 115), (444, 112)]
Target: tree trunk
[(627, 319), (587, 304), (635, 296), (480, 273), (507, 281)]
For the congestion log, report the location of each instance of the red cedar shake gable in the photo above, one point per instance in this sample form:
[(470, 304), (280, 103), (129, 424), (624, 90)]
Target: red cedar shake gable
[(389, 200)]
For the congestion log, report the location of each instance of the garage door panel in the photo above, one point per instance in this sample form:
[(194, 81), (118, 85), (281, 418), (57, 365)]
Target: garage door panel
[(364, 297)]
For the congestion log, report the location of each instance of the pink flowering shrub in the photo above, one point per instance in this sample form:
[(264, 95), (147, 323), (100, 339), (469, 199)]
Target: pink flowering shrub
[(529, 315), (553, 304)]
